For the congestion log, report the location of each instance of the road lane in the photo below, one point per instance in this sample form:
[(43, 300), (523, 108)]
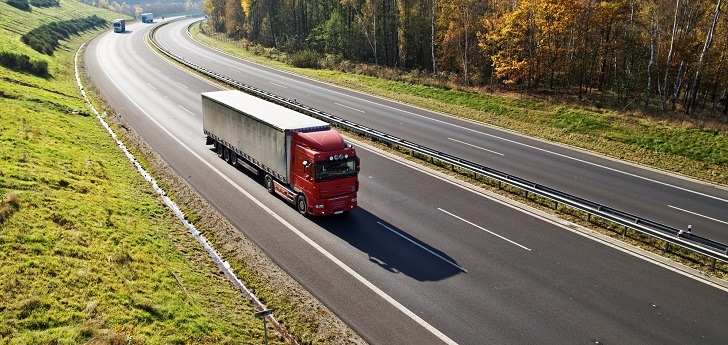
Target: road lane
[(567, 289), (644, 192)]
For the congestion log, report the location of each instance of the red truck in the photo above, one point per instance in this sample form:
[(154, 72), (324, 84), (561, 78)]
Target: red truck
[(302, 159)]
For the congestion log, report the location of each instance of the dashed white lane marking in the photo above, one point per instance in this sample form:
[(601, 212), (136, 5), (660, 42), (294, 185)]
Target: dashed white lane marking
[(475, 146), (698, 214), (347, 107), (423, 247), (484, 229), (185, 109)]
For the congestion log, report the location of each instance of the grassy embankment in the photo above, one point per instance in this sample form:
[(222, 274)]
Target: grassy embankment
[(680, 147), (87, 250)]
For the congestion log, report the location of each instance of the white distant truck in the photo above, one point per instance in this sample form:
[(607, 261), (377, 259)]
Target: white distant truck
[(148, 17), (119, 25)]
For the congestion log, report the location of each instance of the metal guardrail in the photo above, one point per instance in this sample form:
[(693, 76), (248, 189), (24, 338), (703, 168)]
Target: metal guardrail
[(699, 244)]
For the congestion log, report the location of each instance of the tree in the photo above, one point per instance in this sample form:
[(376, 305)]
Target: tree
[(708, 40)]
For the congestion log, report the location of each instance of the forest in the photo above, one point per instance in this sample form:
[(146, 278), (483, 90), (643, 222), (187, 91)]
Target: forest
[(134, 8), (656, 55)]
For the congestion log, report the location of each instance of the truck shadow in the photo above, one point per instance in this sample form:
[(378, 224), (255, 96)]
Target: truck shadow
[(389, 247), (386, 246)]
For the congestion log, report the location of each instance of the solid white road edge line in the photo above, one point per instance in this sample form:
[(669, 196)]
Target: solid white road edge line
[(423, 247), (315, 245), (484, 229)]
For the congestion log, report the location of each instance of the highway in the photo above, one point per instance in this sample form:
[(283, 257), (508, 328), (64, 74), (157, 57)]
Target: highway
[(422, 260), (657, 196)]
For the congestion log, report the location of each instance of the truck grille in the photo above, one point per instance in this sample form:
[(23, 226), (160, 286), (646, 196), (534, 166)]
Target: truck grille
[(339, 203)]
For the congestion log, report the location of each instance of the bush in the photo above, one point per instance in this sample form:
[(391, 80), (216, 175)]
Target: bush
[(44, 39), (305, 59), (22, 63), (45, 3), (20, 4)]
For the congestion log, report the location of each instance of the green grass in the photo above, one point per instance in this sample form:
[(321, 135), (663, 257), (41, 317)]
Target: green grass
[(88, 252), (683, 147)]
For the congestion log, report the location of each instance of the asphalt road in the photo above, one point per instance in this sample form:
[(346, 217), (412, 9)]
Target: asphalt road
[(657, 196), (421, 261)]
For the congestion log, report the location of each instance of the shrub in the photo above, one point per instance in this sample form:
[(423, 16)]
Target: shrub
[(20, 4), (22, 63), (44, 39), (45, 3), (305, 59)]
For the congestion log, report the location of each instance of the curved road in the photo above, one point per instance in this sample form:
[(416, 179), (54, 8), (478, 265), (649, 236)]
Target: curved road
[(653, 195), (421, 261)]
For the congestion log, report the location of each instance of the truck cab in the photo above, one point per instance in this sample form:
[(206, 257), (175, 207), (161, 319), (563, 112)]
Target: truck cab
[(324, 171)]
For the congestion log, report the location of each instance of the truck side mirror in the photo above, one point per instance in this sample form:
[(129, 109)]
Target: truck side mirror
[(307, 168)]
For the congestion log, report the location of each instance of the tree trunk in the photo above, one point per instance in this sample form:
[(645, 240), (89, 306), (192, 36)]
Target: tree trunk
[(678, 85), (690, 104), (432, 36), (669, 56)]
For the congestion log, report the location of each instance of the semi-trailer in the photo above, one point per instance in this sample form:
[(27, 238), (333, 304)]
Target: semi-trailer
[(302, 159)]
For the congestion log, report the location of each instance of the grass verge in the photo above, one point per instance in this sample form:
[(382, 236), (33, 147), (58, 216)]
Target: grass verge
[(676, 145), (89, 252)]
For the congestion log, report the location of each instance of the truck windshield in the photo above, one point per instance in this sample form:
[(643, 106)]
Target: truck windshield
[(335, 169)]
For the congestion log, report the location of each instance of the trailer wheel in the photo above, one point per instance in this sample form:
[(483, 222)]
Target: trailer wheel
[(219, 149), (226, 154), (302, 205), (269, 184), (233, 158)]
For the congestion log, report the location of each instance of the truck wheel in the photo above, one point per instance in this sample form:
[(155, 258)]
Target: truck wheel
[(302, 205), (226, 154), (269, 184), (233, 158)]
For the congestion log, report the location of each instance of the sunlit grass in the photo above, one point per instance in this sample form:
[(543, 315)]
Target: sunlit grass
[(88, 251)]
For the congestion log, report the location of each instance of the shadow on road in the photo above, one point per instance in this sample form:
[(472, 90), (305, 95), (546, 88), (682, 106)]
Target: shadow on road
[(389, 247)]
